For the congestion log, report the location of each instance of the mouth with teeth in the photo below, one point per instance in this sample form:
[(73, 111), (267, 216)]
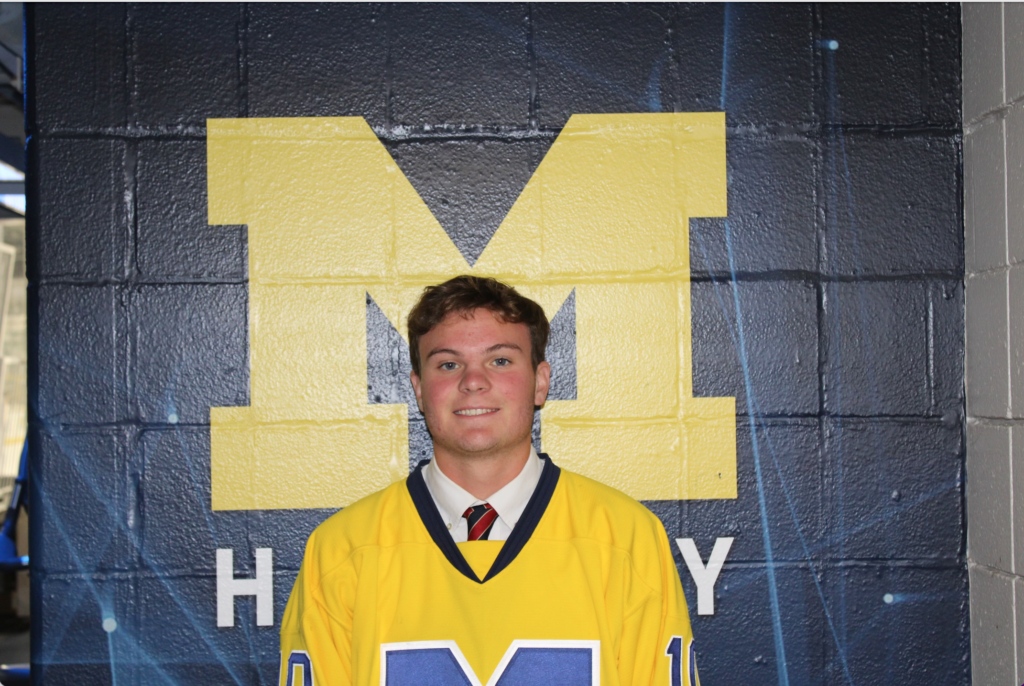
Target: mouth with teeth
[(475, 412)]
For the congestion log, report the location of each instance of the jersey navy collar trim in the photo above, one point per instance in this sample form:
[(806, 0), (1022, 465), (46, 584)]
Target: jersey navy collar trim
[(521, 532)]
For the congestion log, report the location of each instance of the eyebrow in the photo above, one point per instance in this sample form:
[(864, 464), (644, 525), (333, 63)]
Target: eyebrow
[(500, 346), (439, 351), (493, 348)]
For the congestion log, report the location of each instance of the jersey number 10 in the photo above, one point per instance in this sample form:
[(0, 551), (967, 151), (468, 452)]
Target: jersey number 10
[(682, 661)]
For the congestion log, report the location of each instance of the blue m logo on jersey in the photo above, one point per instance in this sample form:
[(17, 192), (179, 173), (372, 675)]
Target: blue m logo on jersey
[(525, 663)]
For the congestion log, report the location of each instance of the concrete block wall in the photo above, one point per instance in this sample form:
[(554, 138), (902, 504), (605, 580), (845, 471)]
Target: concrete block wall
[(993, 59), (842, 259)]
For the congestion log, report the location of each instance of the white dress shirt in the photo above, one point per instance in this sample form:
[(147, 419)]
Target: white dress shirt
[(509, 502)]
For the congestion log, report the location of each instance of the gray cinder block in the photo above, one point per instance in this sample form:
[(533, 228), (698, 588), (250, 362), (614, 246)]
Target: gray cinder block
[(983, 58), (1016, 341), (987, 373), (985, 208), (992, 655), (1013, 50), (988, 496), (1014, 127)]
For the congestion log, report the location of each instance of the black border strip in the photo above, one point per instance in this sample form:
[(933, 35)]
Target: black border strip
[(521, 532)]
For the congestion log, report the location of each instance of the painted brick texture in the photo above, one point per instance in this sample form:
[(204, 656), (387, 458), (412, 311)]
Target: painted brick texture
[(994, 277), (842, 262)]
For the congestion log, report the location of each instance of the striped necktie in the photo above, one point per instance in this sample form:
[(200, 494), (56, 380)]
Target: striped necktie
[(481, 519)]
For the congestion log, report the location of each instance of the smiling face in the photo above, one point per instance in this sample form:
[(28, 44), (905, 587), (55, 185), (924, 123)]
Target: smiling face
[(477, 387)]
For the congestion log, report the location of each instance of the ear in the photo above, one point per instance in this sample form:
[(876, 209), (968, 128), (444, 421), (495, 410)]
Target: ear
[(542, 384), (415, 379)]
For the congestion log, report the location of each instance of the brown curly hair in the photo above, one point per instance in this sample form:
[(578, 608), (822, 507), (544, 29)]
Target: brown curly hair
[(463, 294)]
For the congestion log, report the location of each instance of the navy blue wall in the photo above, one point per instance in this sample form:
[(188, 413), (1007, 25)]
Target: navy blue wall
[(842, 256)]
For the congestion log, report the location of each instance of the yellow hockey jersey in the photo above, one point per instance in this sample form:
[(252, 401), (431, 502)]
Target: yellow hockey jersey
[(583, 593)]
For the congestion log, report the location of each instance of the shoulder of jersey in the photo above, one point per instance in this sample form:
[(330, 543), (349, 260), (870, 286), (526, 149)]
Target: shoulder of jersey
[(606, 514), (382, 518)]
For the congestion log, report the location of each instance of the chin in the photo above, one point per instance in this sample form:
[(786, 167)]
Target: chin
[(472, 448), (477, 449)]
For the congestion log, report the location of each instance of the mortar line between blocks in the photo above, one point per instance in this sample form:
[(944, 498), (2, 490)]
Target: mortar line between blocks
[(1009, 341), (1002, 50), (1006, 247), (1013, 564)]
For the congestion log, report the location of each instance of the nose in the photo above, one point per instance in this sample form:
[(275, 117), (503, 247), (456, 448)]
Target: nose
[(474, 380)]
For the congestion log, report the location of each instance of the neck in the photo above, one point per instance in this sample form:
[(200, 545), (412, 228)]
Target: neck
[(482, 475)]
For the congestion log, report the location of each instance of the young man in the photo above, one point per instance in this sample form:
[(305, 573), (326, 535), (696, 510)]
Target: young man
[(489, 564)]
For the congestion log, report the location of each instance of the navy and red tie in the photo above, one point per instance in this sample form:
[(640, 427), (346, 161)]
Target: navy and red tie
[(481, 519)]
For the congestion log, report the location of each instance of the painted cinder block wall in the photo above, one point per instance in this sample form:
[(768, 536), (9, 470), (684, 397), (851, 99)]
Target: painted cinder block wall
[(842, 258), (993, 56)]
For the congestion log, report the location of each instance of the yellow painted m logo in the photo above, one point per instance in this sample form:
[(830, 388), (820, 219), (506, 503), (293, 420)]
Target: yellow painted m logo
[(332, 218)]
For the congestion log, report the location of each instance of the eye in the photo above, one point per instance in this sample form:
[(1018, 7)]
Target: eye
[(448, 366), (502, 362)]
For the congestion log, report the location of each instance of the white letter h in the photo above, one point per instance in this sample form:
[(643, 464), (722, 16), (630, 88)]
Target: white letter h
[(228, 587)]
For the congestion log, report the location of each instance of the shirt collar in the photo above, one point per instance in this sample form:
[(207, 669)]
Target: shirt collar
[(509, 501)]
